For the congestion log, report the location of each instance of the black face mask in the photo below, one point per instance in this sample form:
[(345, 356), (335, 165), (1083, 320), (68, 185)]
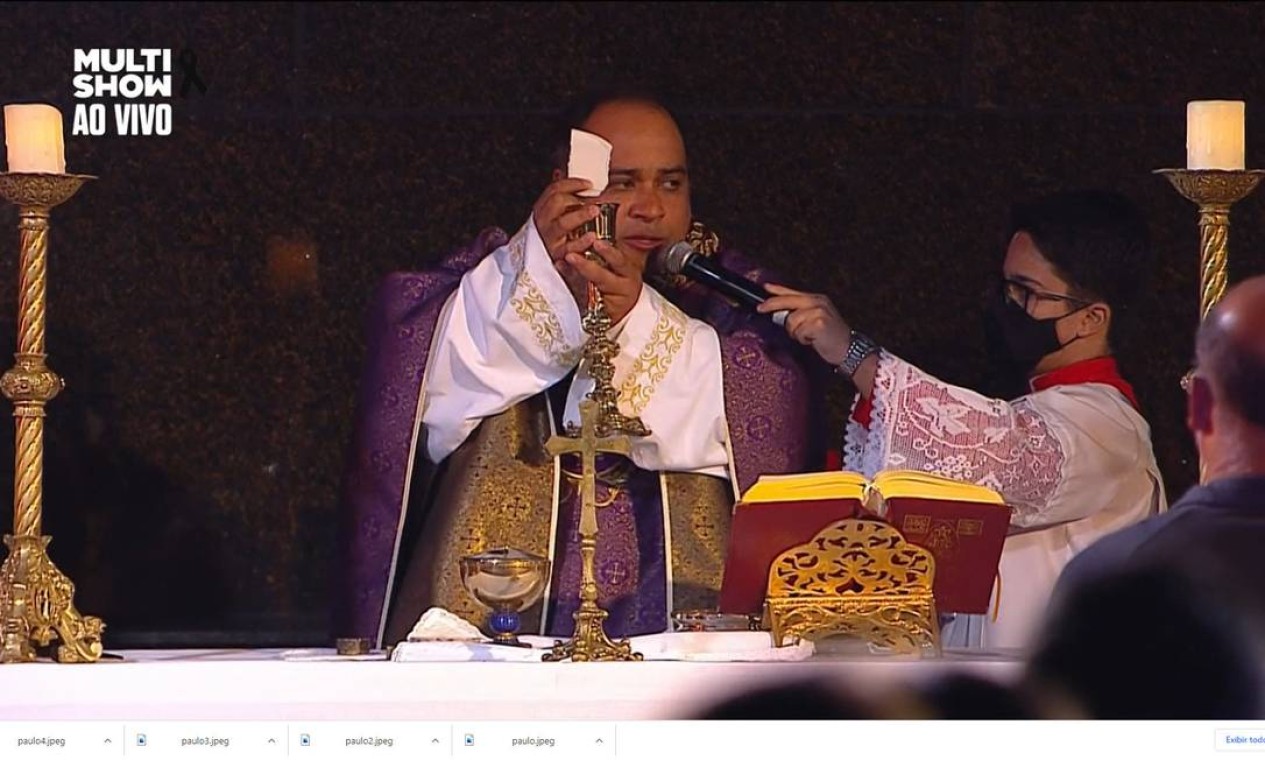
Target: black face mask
[(1024, 339)]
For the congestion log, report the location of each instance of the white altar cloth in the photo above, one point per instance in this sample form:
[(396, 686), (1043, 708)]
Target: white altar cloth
[(260, 685)]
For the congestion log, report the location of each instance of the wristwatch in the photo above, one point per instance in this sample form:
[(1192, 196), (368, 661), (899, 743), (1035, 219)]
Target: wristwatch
[(859, 348)]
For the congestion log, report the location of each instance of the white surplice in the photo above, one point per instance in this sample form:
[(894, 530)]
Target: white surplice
[(512, 330), (1074, 461)]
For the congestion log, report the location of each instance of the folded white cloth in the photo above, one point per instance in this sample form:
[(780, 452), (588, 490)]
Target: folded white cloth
[(438, 624)]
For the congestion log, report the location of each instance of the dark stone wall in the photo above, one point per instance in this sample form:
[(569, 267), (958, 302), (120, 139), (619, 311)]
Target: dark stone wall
[(206, 292)]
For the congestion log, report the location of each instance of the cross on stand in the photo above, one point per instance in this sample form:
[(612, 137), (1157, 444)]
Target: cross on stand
[(589, 642), (603, 428)]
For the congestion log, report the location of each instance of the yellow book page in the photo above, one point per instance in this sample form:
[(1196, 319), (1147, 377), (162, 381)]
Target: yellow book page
[(895, 484), (809, 486)]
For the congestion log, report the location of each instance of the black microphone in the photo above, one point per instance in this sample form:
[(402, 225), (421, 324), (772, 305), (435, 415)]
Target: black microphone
[(681, 258)]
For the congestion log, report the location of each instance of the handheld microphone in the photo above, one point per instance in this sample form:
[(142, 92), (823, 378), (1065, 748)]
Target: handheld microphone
[(681, 258)]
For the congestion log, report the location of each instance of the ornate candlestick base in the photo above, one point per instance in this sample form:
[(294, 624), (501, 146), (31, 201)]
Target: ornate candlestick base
[(36, 599), (589, 642), (37, 604)]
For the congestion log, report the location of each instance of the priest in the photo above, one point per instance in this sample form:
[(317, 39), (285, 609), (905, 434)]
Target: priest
[(473, 365)]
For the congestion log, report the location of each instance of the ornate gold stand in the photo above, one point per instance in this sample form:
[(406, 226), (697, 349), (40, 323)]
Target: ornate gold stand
[(589, 642), (36, 599), (1214, 191), (603, 428), (858, 578)]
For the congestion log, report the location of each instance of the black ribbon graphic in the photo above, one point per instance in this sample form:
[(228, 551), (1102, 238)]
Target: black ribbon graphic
[(189, 68)]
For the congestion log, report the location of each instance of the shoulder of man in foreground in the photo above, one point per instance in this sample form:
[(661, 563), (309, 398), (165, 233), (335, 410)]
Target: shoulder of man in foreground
[(1143, 543)]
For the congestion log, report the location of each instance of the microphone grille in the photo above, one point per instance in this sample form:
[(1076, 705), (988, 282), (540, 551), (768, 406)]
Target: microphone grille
[(672, 258)]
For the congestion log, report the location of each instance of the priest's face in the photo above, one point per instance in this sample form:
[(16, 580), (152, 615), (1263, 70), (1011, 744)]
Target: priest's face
[(648, 175)]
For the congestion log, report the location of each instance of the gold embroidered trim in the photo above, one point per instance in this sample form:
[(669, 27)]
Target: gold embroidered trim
[(655, 359), (532, 307), (703, 241)]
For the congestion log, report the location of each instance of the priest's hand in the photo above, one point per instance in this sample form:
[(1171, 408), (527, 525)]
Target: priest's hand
[(557, 214), (813, 321), (620, 284)]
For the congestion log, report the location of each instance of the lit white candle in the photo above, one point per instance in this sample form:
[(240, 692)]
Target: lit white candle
[(33, 135), (1214, 134)]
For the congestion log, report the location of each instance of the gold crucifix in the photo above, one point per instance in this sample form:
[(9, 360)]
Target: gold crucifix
[(602, 428), (589, 642)]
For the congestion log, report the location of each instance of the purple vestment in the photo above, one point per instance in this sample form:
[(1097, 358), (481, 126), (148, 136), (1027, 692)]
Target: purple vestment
[(772, 404)]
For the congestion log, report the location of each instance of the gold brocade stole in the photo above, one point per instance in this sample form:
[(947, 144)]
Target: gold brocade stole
[(497, 489)]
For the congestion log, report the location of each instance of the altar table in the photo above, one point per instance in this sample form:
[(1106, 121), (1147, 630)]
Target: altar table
[(260, 685)]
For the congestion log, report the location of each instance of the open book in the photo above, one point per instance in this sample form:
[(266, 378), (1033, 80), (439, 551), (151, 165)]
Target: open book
[(963, 525)]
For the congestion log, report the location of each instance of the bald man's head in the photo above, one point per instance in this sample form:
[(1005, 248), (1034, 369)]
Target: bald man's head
[(1230, 350)]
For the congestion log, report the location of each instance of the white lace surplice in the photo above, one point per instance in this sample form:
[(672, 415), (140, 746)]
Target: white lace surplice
[(1074, 461)]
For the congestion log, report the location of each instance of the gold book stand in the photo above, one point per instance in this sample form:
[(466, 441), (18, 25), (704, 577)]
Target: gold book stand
[(857, 578)]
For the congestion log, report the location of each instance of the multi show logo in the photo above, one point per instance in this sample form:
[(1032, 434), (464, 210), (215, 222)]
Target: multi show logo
[(127, 74)]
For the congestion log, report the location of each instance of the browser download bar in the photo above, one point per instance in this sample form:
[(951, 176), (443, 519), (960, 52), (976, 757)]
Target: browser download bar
[(634, 740)]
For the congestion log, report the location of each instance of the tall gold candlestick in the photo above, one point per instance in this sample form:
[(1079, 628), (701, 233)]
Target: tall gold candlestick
[(36, 599), (1214, 191)]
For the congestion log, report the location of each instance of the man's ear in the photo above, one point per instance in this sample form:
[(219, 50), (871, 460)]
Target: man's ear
[(557, 174), (1199, 401)]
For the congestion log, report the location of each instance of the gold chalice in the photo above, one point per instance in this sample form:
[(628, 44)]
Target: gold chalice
[(506, 581)]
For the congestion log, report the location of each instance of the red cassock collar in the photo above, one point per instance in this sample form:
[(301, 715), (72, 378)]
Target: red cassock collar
[(1101, 370)]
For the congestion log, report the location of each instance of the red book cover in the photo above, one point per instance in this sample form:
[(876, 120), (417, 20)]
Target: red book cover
[(966, 538), (761, 531)]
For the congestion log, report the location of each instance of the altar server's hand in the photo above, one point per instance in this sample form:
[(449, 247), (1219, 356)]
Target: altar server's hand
[(620, 285), (813, 321)]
